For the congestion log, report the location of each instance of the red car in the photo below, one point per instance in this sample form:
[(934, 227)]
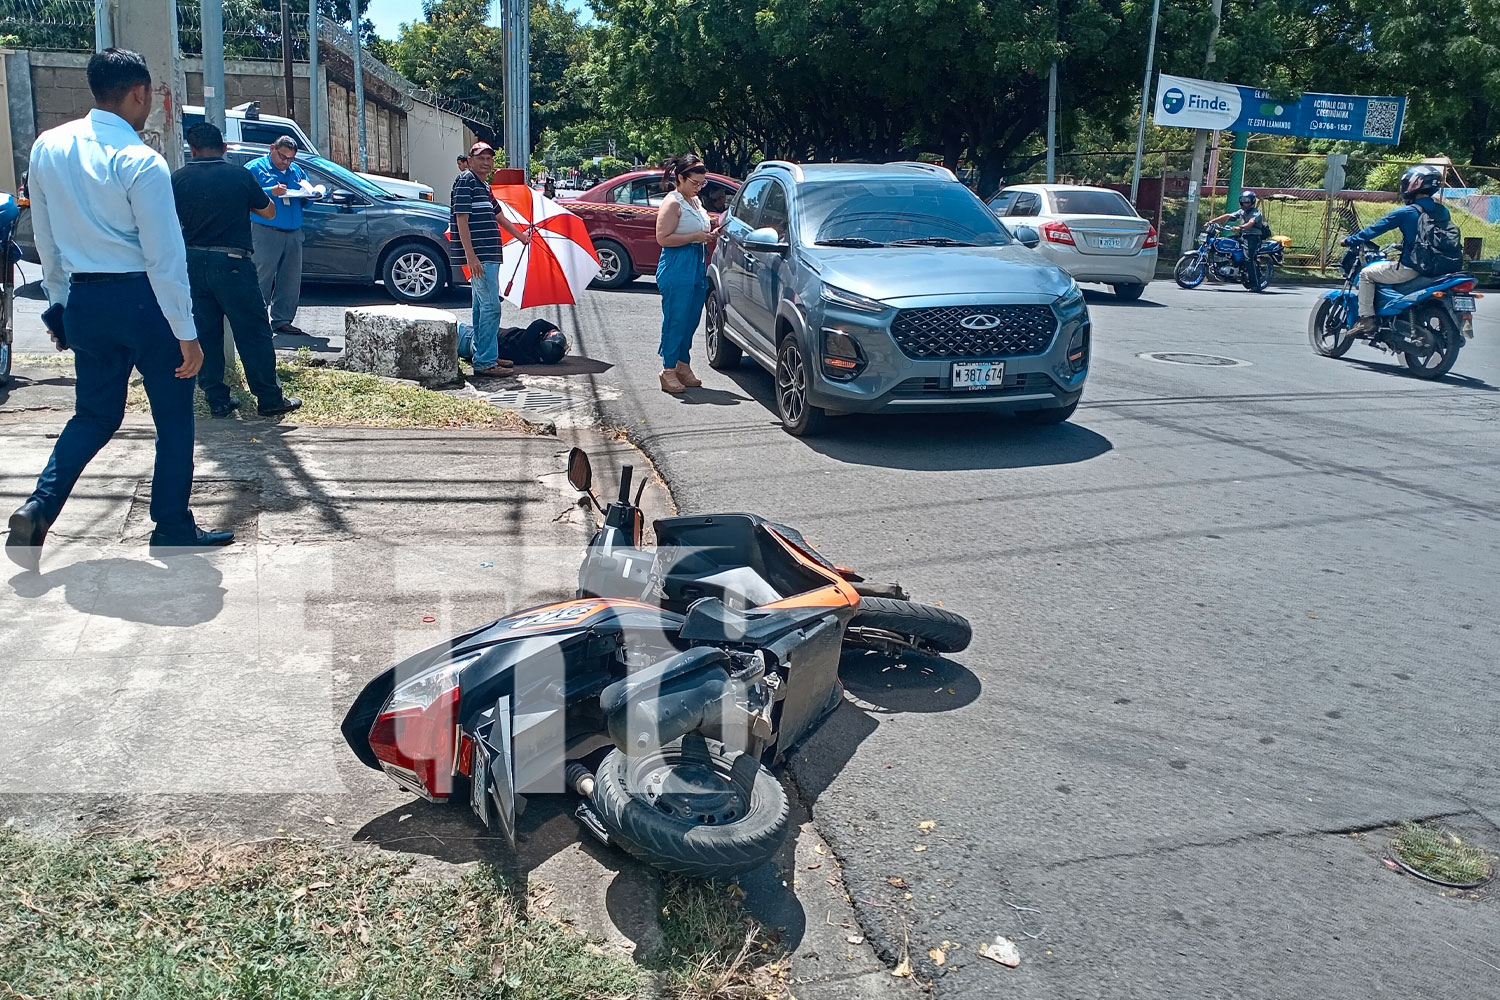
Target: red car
[(620, 214)]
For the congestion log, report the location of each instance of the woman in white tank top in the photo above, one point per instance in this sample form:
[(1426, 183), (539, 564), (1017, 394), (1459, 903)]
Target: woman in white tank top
[(683, 228)]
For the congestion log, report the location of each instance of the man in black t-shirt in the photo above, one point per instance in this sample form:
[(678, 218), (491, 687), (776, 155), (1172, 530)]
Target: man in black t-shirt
[(214, 198)]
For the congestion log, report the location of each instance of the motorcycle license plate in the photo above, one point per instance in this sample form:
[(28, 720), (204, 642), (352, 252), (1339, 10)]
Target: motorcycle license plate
[(1110, 243), (1463, 303), (978, 374), (479, 798)]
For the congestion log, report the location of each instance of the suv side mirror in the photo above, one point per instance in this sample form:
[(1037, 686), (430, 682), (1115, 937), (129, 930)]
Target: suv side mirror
[(766, 240), (1028, 236), (341, 197)]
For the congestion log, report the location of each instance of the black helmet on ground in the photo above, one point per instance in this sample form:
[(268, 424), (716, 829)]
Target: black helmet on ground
[(553, 347), (1420, 181), (1248, 198)]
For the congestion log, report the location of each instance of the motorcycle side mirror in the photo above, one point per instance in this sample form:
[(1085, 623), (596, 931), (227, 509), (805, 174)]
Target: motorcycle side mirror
[(1028, 236), (580, 471)]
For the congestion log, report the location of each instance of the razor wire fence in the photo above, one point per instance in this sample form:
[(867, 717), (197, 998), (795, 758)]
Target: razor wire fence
[(250, 33)]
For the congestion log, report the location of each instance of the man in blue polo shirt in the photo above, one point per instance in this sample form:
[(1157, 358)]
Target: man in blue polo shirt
[(278, 240)]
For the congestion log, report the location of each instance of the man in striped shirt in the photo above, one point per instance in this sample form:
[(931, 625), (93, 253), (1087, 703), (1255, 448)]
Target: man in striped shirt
[(476, 228)]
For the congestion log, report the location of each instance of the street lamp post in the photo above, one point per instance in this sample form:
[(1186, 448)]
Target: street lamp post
[(1140, 134)]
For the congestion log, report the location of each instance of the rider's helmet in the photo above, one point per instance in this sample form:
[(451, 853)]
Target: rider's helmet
[(553, 347), (1420, 182), (1248, 199)]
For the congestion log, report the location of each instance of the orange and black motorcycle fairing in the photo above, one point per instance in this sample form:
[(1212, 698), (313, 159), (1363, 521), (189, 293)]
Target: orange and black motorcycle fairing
[(660, 694)]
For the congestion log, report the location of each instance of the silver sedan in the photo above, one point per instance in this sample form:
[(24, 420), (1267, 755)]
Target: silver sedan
[(1094, 234)]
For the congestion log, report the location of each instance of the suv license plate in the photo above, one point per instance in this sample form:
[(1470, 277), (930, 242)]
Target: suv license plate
[(1463, 303), (1110, 243), (978, 374)]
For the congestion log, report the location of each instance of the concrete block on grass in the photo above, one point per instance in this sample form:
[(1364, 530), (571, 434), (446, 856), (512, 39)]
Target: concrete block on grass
[(406, 342)]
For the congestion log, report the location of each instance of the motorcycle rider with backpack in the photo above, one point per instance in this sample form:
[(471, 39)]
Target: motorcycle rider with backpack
[(1250, 223), (1430, 244)]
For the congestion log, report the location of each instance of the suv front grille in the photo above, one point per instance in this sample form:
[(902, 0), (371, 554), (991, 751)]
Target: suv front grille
[(939, 332)]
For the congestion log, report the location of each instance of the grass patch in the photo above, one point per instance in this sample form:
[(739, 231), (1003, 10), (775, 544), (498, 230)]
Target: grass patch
[(1440, 854), (129, 919), (334, 396), (711, 949)]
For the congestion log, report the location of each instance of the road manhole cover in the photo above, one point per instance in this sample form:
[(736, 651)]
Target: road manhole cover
[(1205, 360)]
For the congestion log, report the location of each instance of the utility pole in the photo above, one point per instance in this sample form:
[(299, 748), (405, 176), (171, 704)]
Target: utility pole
[(1052, 124), (104, 36), (1200, 151), (286, 59), (1140, 134), (150, 28), (516, 16), (359, 88), (314, 98), (211, 13)]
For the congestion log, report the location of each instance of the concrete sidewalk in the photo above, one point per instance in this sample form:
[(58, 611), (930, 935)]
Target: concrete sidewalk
[(202, 693)]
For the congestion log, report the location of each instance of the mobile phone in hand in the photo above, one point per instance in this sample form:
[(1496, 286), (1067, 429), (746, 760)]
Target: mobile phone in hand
[(53, 320)]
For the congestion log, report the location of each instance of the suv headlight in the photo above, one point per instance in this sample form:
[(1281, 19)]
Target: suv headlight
[(1071, 301), (852, 300)]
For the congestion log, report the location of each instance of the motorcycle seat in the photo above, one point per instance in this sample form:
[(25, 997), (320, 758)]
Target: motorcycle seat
[(711, 620), (1419, 282)]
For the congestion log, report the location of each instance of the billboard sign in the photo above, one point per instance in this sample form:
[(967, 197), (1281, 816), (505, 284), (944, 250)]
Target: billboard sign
[(1183, 102)]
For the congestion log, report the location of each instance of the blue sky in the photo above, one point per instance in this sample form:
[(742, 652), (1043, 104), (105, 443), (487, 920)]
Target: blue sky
[(389, 15)]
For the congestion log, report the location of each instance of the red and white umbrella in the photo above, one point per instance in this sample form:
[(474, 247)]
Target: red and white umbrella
[(558, 263)]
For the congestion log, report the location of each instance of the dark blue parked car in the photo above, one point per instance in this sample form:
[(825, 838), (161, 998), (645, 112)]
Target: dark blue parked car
[(360, 233)]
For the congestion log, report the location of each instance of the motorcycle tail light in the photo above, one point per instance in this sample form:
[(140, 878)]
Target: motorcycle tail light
[(1151, 239), (416, 737), (1057, 232), (1467, 286)]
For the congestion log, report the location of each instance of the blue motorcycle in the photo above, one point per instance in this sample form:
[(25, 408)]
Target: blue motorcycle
[(8, 254), (1222, 258), (1425, 320)]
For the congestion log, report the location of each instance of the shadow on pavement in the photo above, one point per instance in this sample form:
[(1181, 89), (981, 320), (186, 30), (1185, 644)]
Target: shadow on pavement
[(1095, 297), (329, 294), (186, 591), (1456, 380), (904, 440)]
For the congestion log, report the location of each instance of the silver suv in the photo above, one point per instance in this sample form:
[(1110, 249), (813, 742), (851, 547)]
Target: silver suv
[(882, 287)]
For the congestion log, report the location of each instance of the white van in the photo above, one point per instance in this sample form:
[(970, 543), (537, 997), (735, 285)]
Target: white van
[(245, 123)]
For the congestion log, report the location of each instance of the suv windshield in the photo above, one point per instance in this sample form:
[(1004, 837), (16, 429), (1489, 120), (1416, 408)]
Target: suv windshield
[(880, 211)]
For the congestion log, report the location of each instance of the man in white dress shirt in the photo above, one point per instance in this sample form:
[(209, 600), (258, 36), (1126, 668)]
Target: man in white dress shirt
[(113, 257)]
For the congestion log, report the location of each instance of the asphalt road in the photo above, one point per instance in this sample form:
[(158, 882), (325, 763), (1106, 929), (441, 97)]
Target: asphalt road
[(1224, 616), (1226, 619)]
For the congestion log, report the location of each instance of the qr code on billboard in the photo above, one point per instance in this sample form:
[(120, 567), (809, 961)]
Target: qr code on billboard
[(1380, 120)]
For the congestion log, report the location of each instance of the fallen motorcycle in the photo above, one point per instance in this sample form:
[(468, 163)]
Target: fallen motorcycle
[(660, 695), (1425, 320)]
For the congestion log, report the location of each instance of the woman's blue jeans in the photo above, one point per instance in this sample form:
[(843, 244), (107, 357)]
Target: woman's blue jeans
[(682, 278)]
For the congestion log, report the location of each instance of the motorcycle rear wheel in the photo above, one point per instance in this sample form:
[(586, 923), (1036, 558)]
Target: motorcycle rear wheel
[(1434, 322), (1267, 272), (1189, 271), (692, 807), (1326, 331), (921, 626)]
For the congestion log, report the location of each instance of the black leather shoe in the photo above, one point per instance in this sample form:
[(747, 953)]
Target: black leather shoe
[(223, 411), (28, 530), (198, 539), (288, 404)]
